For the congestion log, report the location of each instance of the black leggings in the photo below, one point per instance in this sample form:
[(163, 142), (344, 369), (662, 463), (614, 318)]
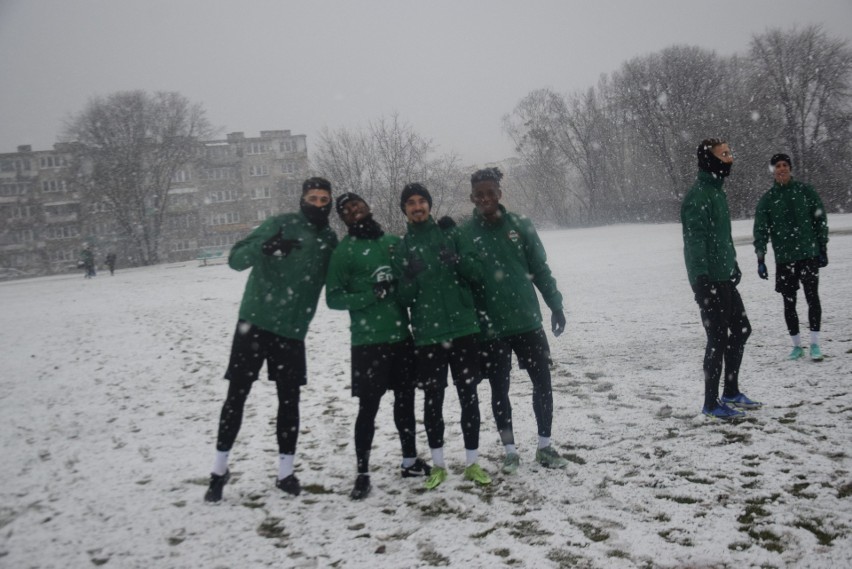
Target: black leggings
[(231, 418), (365, 425), (808, 273), (433, 415), (727, 328)]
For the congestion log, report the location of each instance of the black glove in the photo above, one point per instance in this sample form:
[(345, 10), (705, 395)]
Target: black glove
[(737, 276), (823, 257), (762, 272), (448, 256), (277, 245), (382, 289), (446, 222), (557, 322), (413, 267)]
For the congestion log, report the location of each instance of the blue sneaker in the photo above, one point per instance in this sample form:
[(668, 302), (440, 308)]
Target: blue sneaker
[(816, 354), (723, 412), (797, 353), (741, 402)]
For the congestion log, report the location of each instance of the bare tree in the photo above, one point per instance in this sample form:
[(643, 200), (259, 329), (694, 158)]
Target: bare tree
[(128, 146), (377, 161)]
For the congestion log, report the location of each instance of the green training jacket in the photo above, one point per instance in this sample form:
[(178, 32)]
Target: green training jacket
[(514, 264), (356, 266), (708, 248), (439, 296), (793, 218), (281, 293)]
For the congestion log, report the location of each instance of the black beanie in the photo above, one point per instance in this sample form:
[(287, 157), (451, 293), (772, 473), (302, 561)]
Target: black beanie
[(708, 162), (344, 198), (781, 157), (413, 189), (316, 183)]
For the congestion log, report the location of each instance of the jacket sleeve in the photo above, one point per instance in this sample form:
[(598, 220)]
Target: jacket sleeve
[(406, 288), (820, 219), (696, 232), (542, 277), (761, 228), (470, 265), (337, 283), (247, 252)]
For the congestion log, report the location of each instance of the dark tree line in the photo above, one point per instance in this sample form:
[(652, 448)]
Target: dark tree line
[(624, 150)]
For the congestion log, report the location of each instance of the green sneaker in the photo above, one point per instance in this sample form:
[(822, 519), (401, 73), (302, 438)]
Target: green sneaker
[(475, 473), (816, 354), (549, 458), (797, 353), (511, 463), (438, 475)]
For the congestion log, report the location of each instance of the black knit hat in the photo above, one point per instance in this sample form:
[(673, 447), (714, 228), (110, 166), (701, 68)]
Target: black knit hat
[(413, 189), (316, 183), (708, 162), (343, 199), (781, 157)]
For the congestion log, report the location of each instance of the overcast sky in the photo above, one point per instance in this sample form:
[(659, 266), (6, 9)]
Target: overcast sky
[(451, 68)]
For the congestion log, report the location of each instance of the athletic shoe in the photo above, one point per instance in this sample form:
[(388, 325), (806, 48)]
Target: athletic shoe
[(217, 484), (797, 353), (290, 485), (475, 473), (362, 487), (438, 475), (419, 468), (816, 354), (740, 401), (723, 412), (549, 458), (511, 463)]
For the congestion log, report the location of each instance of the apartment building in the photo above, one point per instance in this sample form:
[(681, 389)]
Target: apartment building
[(216, 199)]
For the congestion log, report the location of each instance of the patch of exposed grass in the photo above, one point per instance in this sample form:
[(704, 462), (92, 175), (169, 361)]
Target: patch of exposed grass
[(815, 527), (845, 490), (528, 528), (767, 540), (565, 559), (618, 554), (798, 490), (431, 557), (676, 536), (680, 499), (593, 533), (317, 489), (739, 546)]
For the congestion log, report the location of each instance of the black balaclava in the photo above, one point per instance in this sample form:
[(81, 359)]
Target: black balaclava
[(708, 162), (365, 228), (316, 215)]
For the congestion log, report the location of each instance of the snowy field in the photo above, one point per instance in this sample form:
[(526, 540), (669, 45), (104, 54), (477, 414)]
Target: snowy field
[(111, 389)]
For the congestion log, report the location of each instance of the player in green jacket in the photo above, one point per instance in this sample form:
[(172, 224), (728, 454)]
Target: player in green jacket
[(288, 256), (515, 264), (361, 281), (434, 265), (711, 265), (792, 216)]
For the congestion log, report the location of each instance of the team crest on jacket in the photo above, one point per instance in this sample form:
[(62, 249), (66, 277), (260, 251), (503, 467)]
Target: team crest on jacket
[(513, 236)]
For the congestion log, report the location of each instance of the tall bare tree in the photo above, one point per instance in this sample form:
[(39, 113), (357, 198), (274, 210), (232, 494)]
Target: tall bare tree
[(128, 146)]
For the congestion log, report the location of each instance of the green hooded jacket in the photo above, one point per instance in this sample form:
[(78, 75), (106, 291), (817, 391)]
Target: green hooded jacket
[(439, 296), (514, 264), (793, 218), (281, 293), (356, 266), (707, 244)]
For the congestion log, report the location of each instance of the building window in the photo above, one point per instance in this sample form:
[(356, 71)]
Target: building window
[(181, 176), (225, 218), (263, 214), (223, 240), (257, 148), (100, 207), (61, 232), (288, 146), (183, 245), (51, 186), (21, 212), (222, 196), (62, 255), (51, 161), (288, 167), (219, 173), (12, 165), (219, 151), (261, 193), (261, 170), (23, 236), (14, 189)]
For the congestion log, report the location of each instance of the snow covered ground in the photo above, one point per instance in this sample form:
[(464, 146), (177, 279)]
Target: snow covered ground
[(111, 389)]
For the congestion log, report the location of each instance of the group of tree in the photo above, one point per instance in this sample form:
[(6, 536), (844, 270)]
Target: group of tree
[(624, 150)]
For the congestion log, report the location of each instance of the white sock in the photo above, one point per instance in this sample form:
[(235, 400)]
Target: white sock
[(797, 341), (438, 457), (470, 456), (815, 337), (220, 463), (408, 461), (543, 442), (285, 465), (510, 449)]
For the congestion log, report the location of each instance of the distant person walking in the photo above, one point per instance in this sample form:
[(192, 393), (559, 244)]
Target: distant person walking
[(361, 281), (87, 258), (711, 265), (435, 264), (288, 256), (510, 315), (792, 217), (110, 263)]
